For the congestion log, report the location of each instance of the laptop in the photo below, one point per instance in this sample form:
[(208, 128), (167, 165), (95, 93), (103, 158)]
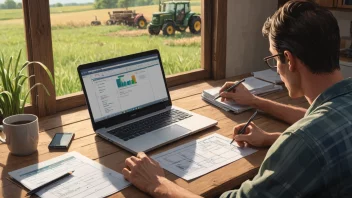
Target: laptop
[(129, 103)]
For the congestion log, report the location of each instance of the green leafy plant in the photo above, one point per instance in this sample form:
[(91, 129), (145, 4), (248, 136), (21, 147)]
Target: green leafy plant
[(12, 84)]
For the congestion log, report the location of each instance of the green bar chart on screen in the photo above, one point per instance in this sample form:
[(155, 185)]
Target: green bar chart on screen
[(121, 82)]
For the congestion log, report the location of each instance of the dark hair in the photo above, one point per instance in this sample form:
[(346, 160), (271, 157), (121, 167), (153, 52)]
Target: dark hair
[(309, 32)]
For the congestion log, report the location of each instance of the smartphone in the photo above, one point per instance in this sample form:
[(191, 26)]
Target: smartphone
[(61, 141)]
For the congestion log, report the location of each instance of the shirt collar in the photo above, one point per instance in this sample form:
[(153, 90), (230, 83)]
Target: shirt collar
[(341, 88)]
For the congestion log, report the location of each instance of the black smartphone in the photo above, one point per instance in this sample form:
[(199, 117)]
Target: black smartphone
[(61, 141)]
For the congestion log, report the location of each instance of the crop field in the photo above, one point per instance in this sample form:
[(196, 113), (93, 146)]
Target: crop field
[(75, 42), (18, 13)]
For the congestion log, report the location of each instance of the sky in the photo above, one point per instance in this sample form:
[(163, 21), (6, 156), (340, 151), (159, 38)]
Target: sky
[(59, 1)]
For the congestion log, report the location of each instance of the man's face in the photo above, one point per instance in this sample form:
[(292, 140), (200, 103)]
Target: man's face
[(289, 74)]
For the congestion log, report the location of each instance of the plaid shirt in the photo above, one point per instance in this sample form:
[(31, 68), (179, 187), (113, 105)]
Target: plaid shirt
[(313, 157)]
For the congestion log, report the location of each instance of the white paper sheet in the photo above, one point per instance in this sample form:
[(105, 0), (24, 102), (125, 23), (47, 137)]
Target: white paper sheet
[(202, 156), (90, 179)]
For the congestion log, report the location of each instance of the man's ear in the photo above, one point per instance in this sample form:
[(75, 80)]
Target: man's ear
[(290, 61)]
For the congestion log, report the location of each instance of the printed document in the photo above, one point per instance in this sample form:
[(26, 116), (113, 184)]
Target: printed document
[(89, 179), (202, 156)]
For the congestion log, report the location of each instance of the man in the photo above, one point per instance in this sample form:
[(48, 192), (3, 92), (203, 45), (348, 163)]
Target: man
[(313, 157)]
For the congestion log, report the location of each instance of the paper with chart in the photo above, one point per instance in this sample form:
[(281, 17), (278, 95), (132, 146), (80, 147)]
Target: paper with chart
[(202, 156), (89, 179)]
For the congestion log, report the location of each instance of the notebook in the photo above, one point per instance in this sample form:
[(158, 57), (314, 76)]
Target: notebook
[(254, 85), (268, 75)]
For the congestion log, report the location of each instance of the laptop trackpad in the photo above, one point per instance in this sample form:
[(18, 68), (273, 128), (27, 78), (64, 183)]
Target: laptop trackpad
[(156, 138), (170, 132)]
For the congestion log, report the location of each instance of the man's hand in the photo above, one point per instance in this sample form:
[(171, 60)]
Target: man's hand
[(143, 172), (239, 94), (254, 136)]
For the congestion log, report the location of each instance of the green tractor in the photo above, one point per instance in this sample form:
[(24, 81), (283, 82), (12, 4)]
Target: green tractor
[(175, 16)]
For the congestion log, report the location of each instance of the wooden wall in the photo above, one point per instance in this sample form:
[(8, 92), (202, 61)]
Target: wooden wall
[(246, 46)]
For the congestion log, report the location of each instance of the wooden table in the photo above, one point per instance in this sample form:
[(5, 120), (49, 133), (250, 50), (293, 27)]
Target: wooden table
[(186, 96)]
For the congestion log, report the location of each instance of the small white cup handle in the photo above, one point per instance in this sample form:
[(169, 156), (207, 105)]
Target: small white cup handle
[(1, 139)]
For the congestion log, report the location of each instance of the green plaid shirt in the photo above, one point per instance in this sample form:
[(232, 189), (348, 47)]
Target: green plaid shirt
[(313, 157)]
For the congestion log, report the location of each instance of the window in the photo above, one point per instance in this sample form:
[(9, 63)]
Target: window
[(187, 8), (12, 37), (59, 42), (180, 7), (169, 7), (78, 38)]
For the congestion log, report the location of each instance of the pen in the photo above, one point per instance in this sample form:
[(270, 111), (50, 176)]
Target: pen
[(47, 184), (245, 126), (231, 88)]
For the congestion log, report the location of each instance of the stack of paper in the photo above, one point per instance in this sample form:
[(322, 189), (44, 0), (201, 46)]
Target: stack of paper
[(268, 75), (255, 86), (210, 94)]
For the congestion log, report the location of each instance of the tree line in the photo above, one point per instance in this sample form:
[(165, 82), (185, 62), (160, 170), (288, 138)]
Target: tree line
[(69, 4), (10, 4), (102, 4)]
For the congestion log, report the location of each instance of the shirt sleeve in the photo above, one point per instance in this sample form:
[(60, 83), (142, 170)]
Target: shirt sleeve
[(290, 169)]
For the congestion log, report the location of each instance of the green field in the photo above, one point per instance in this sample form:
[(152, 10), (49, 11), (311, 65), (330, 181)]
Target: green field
[(75, 44)]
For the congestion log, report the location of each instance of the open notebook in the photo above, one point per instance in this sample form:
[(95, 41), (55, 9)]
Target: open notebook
[(254, 85)]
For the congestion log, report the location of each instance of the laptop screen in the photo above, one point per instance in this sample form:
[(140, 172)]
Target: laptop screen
[(121, 87)]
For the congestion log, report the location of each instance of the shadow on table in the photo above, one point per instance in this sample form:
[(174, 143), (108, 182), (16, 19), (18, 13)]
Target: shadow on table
[(13, 162)]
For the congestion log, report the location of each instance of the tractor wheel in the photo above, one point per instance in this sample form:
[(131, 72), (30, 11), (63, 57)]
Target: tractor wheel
[(168, 29), (142, 23), (95, 23), (153, 31), (181, 29), (109, 22), (195, 25)]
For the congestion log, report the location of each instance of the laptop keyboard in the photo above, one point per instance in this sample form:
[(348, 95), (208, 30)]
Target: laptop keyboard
[(149, 124)]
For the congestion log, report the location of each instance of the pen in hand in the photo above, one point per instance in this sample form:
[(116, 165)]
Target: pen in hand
[(231, 88), (47, 184), (245, 126)]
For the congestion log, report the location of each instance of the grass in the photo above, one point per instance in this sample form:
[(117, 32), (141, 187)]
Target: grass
[(176, 58), (75, 43)]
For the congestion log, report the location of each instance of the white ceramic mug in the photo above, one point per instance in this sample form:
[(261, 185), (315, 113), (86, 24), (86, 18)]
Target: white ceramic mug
[(22, 133)]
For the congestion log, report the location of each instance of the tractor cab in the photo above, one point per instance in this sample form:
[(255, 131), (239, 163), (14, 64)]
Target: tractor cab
[(178, 9), (172, 16), (169, 7)]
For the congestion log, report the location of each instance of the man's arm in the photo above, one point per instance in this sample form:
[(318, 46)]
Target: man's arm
[(289, 114), (290, 169), (168, 188), (147, 175), (241, 95)]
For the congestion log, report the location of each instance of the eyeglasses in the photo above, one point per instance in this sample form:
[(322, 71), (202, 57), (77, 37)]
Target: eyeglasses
[(271, 61)]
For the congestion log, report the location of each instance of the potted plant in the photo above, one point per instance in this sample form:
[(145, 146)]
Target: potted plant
[(11, 87)]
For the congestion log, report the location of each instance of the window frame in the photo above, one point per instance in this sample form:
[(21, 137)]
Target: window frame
[(39, 48), (186, 11)]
